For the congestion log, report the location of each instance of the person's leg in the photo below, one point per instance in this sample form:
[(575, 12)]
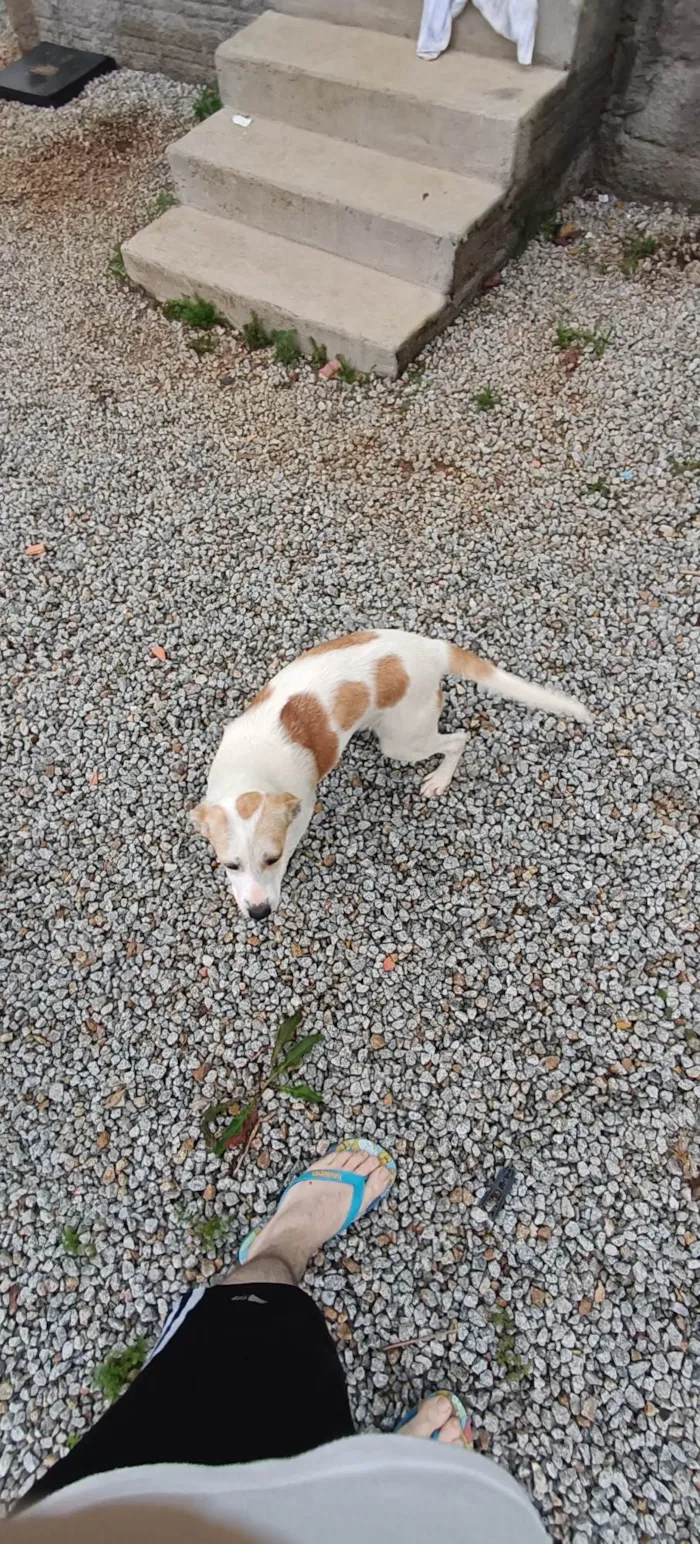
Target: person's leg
[(245, 1369)]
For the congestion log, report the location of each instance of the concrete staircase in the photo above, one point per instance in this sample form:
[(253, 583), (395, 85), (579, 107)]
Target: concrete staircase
[(367, 199)]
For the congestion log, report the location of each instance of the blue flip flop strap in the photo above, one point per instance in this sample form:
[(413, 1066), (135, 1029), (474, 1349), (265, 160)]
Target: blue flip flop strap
[(356, 1182)]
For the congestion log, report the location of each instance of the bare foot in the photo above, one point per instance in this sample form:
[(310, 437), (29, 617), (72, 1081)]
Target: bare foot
[(434, 1414), (315, 1209)]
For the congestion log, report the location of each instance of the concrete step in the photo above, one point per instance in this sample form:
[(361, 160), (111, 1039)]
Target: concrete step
[(554, 44), (378, 321), (463, 113), (402, 18), (396, 216)]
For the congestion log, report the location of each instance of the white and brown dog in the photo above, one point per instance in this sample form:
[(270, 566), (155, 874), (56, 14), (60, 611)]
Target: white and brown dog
[(262, 784)]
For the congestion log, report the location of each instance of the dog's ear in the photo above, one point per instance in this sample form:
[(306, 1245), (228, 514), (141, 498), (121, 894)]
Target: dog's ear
[(287, 804), (211, 821)]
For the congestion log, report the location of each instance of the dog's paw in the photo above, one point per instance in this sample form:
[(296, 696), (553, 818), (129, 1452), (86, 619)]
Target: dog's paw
[(436, 784)]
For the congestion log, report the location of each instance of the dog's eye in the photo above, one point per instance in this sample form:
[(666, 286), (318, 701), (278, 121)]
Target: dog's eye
[(232, 865), (269, 862)]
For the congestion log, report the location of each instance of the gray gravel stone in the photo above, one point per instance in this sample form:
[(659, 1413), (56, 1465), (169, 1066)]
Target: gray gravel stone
[(541, 916)]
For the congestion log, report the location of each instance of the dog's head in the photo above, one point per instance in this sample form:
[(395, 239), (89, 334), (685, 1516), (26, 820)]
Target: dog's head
[(250, 836)]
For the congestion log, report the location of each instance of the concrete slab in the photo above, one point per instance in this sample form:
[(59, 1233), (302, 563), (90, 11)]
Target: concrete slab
[(379, 321), (393, 215)]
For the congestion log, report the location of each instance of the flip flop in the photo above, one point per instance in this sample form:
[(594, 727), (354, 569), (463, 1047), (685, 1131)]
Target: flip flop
[(356, 1183), (460, 1412)]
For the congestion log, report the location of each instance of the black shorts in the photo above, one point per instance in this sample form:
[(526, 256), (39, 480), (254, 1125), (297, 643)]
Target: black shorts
[(239, 1373)]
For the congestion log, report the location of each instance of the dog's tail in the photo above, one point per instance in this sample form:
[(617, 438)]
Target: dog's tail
[(461, 662)]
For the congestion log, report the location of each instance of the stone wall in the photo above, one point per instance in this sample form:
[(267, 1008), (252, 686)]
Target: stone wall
[(650, 142), (176, 36)]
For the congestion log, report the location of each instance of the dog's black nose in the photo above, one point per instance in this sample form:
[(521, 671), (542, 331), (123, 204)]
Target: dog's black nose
[(259, 913)]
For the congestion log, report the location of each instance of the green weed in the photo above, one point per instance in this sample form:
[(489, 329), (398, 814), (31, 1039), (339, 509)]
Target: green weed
[(634, 250), (73, 1440), (485, 399), (348, 374), (288, 1053), (319, 355), (74, 1244), (202, 343), (209, 1231), (164, 201), (287, 349), (116, 264), (599, 486), (256, 336), (566, 336), (680, 468), (207, 102), (507, 1358), (119, 1368), (194, 312)]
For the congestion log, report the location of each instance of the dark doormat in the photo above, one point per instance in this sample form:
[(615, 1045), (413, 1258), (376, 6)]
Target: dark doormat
[(50, 75)]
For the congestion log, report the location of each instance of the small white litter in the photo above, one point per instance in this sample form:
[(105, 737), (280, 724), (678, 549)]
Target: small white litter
[(514, 19), (241, 120)]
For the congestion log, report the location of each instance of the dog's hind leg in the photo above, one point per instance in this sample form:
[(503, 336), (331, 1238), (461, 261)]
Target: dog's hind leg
[(414, 736), (451, 748)]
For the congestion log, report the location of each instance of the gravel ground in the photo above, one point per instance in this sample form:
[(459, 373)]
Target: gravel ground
[(539, 920)]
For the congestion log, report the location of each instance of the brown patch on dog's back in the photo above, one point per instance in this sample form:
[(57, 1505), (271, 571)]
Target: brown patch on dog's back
[(306, 722), (350, 641), (390, 680), (464, 663), (248, 804), (259, 699), (351, 701)]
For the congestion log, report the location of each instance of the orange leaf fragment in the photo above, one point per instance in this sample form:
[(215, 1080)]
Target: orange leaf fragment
[(36, 550), (159, 652), (389, 962)]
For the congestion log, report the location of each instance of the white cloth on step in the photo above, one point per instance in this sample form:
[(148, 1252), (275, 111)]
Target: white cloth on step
[(514, 19)]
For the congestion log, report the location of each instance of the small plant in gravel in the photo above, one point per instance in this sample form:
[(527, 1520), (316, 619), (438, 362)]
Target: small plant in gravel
[(76, 1245), (634, 250), (348, 374), (72, 1440), (318, 356), (256, 336), (681, 468), (287, 349), (507, 1358), (194, 312), (485, 399), (288, 1053), (599, 486), (165, 201), (120, 1368), (207, 102), (116, 264), (209, 1231), (566, 336), (202, 343)]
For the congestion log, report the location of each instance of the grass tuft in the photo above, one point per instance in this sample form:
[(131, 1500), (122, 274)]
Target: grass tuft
[(256, 336), (634, 250), (194, 312), (164, 201), (207, 102), (116, 264), (485, 399), (287, 349), (74, 1244), (566, 336), (120, 1368), (319, 355)]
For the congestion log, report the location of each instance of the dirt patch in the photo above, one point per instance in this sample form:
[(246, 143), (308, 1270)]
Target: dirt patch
[(83, 166)]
